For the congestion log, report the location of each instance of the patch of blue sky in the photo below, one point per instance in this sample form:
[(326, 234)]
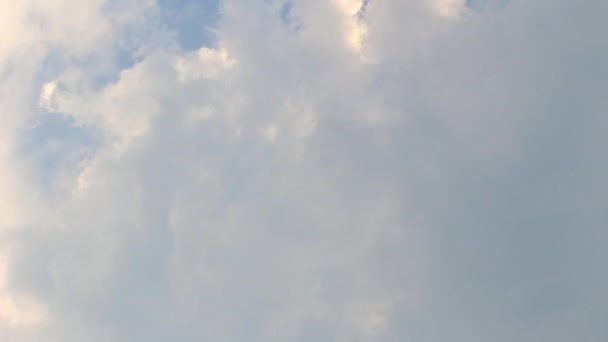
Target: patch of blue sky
[(287, 17), (191, 21), (54, 144)]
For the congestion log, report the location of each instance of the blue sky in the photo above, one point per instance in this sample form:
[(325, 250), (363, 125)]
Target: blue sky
[(345, 170)]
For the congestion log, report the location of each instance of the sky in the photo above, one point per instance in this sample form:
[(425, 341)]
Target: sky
[(303, 170)]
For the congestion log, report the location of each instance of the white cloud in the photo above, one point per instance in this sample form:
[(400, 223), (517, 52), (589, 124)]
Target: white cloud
[(46, 100), (280, 187), (205, 63), (270, 133), (448, 8)]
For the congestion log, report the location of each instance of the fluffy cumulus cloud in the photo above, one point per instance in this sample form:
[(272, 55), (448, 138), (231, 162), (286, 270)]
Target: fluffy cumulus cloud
[(289, 170)]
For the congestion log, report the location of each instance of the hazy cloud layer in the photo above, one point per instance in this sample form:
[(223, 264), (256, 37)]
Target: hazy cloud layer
[(399, 170)]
